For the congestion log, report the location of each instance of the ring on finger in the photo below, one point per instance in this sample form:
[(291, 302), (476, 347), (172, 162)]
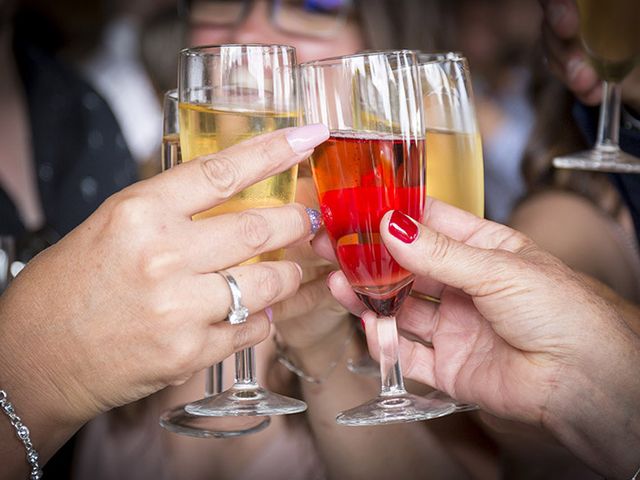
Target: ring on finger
[(238, 313)]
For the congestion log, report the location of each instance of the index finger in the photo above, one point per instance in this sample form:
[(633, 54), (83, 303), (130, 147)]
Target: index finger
[(465, 227), (207, 181)]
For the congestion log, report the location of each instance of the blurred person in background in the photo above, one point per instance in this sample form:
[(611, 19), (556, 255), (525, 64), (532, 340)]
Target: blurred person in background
[(63, 152), (498, 37)]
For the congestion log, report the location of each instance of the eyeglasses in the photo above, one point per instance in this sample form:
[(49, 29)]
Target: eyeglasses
[(310, 18)]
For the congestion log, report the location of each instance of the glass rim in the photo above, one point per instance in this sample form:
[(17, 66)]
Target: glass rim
[(215, 49), (425, 58), (332, 61)]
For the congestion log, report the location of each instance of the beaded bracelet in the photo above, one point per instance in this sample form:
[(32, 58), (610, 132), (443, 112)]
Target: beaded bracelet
[(23, 434)]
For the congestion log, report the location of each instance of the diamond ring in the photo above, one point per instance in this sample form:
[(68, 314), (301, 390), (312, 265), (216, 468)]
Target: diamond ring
[(238, 313)]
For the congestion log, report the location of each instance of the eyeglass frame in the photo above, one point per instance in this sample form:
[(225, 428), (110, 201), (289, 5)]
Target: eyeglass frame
[(184, 7)]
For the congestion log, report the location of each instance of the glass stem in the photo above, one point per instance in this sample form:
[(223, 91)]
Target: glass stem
[(213, 379), (390, 372), (609, 121), (245, 369)]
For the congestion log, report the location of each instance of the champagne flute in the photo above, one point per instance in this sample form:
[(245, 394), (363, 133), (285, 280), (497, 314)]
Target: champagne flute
[(373, 162), (455, 172), (611, 38), (177, 420), (227, 94)]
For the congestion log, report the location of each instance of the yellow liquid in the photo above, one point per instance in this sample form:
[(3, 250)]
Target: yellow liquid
[(455, 172), (204, 130), (610, 31)]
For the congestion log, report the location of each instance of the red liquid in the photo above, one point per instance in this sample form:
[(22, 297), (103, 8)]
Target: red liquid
[(358, 181)]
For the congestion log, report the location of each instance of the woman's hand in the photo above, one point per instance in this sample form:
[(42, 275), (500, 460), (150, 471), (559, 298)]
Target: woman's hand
[(568, 61), (516, 332), (130, 301)]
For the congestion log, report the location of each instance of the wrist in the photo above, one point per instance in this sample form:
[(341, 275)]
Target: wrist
[(315, 355), (316, 363), (595, 412)]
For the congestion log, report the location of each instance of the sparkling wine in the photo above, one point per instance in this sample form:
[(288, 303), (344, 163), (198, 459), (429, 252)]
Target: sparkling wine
[(359, 178), (455, 172), (610, 32), (204, 130)]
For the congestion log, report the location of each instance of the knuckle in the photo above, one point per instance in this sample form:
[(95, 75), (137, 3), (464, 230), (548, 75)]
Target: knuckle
[(254, 228), (440, 247), (129, 211), (183, 354), (222, 173), (263, 155), (269, 283), (158, 265)]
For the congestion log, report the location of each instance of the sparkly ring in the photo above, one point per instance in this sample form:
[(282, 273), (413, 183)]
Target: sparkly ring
[(238, 313)]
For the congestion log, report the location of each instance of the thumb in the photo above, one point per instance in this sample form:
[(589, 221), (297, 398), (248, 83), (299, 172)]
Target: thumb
[(425, 252)]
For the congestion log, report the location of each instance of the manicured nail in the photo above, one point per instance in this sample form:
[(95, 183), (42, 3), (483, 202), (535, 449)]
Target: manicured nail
[(556, 13), (364, 325), (303, 139), (269, 313), (315, 218), (403, 227)]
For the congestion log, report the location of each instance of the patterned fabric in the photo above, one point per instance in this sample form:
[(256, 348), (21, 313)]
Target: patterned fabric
[(628, 184), (80, 155)]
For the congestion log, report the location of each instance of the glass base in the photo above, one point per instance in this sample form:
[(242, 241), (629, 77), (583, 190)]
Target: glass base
[(598, 160), (386, 409), (460, 407), (365, 366), (241, 400), (177, 420)]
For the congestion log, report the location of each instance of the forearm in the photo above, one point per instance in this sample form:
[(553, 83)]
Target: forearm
[(46, 433), (629, 311), (601, 423), (393, 451), (38, 403)]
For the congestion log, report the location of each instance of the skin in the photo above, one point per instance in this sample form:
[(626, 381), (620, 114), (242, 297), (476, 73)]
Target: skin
[(566, 57), (518, 333), (89, 323), (314, 327)]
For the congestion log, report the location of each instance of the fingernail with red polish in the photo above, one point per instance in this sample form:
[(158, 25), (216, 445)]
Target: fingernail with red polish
[(364, 325), (269, 313), (403, 227), (303, 139)]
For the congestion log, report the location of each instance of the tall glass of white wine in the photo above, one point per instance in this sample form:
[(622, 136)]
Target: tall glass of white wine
[(177, 420), (227, 94)]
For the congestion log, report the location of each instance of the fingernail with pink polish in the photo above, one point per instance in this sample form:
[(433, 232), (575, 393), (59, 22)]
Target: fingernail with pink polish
[(269, 313), (303, 139)]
